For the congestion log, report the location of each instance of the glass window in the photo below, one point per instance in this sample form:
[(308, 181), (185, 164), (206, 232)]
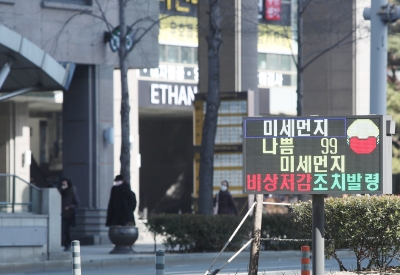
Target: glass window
[(173, 54), (195, 55), (273, 62), (163, 56), (78, 2), (294, 68), (186, 55), (286, 62), (262, 61)]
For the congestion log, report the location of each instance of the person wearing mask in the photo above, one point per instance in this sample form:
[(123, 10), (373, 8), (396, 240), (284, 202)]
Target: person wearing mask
[(223, 201), (121, 205), (69, 204)]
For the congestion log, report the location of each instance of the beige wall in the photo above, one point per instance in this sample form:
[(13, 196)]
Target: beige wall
[(337, 83), (60, 31)]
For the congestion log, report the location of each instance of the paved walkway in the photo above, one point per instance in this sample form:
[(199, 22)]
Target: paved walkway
[(97, 256)]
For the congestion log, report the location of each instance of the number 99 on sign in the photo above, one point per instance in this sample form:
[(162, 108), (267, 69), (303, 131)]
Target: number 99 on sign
[(329, 145)]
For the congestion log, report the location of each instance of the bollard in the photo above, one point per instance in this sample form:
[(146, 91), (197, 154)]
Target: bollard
[(160, 262), (305, 260), (76, 258)]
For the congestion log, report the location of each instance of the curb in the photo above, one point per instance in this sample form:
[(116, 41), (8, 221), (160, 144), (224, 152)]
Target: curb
[(146, 259)]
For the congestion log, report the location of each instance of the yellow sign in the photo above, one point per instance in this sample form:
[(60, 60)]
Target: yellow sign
[(178, 30), (272, 38), (179, 7)]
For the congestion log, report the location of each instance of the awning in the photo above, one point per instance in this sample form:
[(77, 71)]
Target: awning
[(26, 67)]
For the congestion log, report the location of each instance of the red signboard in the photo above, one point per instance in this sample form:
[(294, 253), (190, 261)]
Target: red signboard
[(273, 10)]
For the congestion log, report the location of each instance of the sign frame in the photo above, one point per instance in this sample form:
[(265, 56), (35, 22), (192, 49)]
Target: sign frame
[(385, 154)]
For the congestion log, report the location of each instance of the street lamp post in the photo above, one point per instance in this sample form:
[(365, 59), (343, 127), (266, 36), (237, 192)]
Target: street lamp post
[(381, 13)]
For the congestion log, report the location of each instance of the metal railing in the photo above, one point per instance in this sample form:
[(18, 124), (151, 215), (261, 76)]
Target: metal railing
[(18, 195)]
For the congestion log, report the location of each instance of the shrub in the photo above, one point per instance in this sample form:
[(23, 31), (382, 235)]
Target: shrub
[(281, 226), (367, 225), (199, 233)]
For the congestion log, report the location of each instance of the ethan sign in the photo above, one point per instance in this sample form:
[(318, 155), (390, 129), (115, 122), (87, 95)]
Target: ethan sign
[(166, 95), (317, 155)]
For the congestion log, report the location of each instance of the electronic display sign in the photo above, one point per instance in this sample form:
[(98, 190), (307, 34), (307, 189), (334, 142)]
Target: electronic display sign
[(313, 155)]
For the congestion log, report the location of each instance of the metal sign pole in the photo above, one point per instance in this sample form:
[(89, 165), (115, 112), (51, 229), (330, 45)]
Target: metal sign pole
[(318, 245), (255, 245), (381, 13)]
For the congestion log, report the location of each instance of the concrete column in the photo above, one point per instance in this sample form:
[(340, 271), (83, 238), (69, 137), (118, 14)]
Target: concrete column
[(14, 138), (14, 149), (87, 157), (51, 206)]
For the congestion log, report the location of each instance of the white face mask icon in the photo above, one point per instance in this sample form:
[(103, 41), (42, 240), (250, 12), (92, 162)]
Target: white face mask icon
[(224, 188)]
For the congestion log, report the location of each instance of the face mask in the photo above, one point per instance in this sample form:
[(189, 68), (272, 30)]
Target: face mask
[(118, 183), (63, 187), (224, 188)]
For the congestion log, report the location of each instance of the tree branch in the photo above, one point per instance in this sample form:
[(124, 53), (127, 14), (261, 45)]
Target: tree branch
[(58, 34), (324, 51), (302, 10), (103, 17), (146, 30)]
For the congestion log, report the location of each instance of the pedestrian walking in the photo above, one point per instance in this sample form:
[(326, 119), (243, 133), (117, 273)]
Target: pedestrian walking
[(223, 201), (121, 205), (69, 204)]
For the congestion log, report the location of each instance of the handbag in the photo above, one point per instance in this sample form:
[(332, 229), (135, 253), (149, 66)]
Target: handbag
[(215, 209)]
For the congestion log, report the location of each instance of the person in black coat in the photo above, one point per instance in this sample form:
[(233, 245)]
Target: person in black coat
[(223, 201), (69, 204), (121, 205)]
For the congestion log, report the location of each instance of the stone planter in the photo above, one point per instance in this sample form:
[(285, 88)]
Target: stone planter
[(123, 237)]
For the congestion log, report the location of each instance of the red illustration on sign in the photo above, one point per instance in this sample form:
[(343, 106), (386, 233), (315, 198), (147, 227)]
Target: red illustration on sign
[(273, 10), (363, 136)]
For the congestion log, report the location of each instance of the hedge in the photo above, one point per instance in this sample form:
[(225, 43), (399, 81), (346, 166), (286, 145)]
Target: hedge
[(209, 233), (199, 233), (281, 226), (367, 225)]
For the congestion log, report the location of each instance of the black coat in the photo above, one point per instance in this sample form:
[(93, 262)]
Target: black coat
[(121, 205), (69, 198), (226, 204)]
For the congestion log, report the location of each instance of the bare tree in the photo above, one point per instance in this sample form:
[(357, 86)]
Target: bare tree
[(128, 37), (211, 116), (123, 51), (322, 26)]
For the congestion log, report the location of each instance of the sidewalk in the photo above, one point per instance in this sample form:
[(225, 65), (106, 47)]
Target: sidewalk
[(97, 256)]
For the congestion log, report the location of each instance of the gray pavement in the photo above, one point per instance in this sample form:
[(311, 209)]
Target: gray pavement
[(97, 256)]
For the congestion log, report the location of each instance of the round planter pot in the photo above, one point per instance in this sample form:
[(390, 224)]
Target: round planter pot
[(123, 237)]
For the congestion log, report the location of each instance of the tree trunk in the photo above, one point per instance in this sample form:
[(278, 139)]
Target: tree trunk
[(125, 157), (255, 245), (299, 59), (206, 171)]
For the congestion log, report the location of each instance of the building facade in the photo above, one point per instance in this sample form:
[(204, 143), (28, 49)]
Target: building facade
[(65, 131)]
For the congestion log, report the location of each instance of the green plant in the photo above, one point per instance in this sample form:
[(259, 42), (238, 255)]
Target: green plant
[(280, 226), (367, 225), (199, 233)]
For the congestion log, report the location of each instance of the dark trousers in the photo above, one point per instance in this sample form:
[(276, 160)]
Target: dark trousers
[(65, 231)]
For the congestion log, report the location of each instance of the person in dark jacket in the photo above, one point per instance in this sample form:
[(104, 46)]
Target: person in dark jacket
[(121, 205), (223, 201), (69, 204)]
